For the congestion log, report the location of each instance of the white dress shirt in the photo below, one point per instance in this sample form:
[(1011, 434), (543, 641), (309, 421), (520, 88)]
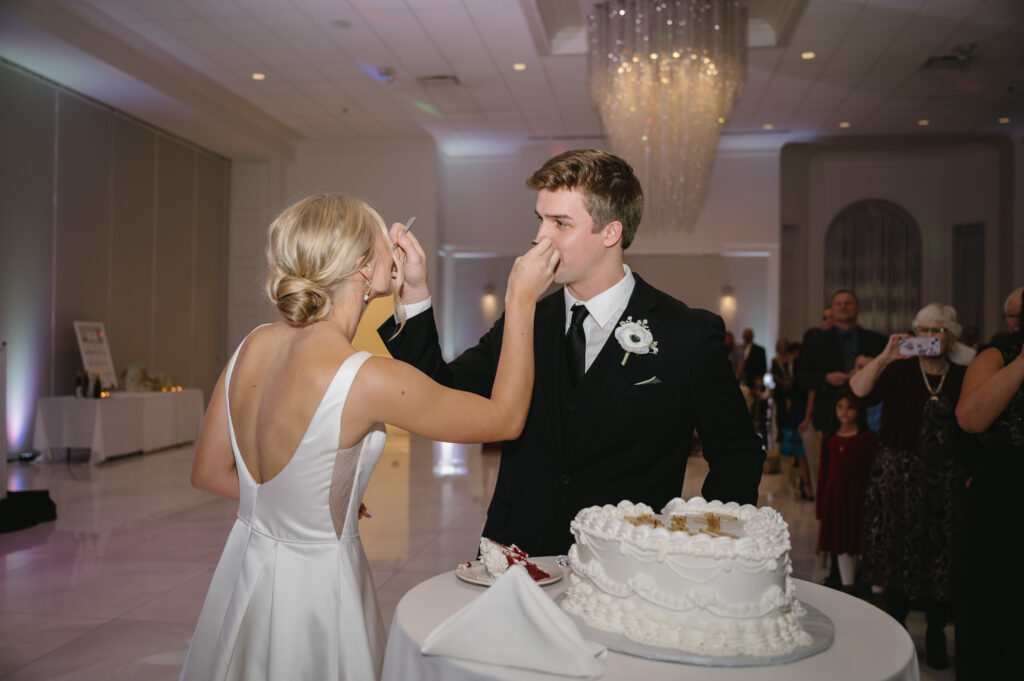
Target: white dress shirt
[(604, 311)]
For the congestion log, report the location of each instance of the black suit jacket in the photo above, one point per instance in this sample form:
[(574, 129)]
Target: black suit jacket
[(623, 433), (755, 365), (823, 356)]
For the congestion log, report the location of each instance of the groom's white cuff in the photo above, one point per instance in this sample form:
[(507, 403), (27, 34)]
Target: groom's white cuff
[(413, 309)]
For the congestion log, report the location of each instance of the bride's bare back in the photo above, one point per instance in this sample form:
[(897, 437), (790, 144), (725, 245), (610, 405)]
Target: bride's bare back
[(280, 378)]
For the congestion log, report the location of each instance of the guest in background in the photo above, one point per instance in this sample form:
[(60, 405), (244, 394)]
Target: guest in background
[(874, 412), (750, 374), (1011, 310), (847, 454), (916, 480), (826, 365), (782, 372), (733, 351), (826, 324), (793, 406), (992, 404), (970, 337), (755, 363)]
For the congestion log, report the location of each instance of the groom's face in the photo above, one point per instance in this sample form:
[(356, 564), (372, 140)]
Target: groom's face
[(565, 220)]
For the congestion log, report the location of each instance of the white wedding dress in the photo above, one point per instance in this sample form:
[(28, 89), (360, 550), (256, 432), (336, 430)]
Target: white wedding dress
[(292, 597)]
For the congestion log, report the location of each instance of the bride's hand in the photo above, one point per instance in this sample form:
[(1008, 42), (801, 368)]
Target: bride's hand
[(364, 512), (532, 273)]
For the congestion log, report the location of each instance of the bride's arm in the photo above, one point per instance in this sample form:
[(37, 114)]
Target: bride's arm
[(213, 468), (396, 393)]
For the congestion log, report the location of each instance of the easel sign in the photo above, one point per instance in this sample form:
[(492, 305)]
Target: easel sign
[(92, 343)]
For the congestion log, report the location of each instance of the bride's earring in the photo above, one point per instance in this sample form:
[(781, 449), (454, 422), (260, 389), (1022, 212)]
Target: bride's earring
[(366, 293)]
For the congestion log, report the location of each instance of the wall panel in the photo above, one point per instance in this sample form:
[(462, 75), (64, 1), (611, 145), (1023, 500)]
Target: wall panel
[(83, 247), (131, 295), (102, 217), (174, 266), (26, 246), (210, 318)]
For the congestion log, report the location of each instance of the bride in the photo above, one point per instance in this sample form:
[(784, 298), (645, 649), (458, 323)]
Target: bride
[(294, 428)]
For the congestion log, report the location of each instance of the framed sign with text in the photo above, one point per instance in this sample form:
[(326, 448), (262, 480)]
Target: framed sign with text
[(92, 342)]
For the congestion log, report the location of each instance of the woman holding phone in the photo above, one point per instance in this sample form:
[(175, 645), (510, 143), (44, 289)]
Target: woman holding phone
[(909, 516)]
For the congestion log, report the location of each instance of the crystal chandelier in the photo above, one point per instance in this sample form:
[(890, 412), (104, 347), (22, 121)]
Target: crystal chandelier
[(664, 75)]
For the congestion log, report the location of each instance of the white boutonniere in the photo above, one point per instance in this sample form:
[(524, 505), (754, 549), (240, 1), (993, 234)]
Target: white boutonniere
[(635, 338)]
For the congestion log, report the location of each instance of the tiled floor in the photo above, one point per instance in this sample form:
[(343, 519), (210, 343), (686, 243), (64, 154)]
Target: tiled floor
[(112, 589)]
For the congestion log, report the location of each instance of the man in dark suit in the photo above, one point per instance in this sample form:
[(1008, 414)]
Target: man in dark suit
[(624, 372), (826, 363), (831, 356), (755, 362)]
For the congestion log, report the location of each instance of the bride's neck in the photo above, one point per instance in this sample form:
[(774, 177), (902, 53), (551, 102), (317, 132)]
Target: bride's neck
[(347, 311)]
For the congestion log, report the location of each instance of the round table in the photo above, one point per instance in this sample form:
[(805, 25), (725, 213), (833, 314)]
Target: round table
[(869, 645)]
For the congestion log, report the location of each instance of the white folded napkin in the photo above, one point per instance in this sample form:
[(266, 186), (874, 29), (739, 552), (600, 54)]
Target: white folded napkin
[(515, 624)]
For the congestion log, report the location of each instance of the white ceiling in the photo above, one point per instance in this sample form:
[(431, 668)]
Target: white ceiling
[(187, 65)]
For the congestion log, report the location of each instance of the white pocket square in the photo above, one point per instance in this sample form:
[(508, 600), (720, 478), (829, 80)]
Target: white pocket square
[(650, 381)]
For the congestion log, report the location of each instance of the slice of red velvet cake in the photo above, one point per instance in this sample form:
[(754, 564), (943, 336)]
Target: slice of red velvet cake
[(498, 558)]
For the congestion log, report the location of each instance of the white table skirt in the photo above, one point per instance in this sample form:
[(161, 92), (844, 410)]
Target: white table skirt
[(869, 645), (121, 424)]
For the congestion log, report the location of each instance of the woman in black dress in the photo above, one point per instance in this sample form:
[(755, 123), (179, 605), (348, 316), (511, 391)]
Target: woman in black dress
[(992, 404)]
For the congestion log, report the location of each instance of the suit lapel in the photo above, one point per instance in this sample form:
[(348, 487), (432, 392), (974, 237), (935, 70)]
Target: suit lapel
[(607, 379)]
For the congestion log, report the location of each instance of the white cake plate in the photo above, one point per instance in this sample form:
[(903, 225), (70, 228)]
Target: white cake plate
[(815, 622)]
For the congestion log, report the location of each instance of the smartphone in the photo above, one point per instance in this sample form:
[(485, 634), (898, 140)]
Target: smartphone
[(927, 346)]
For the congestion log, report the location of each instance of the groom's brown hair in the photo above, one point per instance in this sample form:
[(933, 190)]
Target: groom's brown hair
[(610, 188)]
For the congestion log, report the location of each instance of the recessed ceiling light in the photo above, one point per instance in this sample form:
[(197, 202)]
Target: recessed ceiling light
[(519, 66), (923, 122), (767, 126), (259, 76), (844, 124), (1003, 120), (807, 56)]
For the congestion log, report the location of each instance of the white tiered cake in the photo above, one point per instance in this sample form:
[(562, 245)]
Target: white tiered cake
[(703, 577)]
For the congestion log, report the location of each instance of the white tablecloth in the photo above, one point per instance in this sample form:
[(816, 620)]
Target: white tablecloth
[(121, 424), (869, 645)]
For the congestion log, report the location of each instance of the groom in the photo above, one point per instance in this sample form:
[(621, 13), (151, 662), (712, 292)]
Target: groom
[(624, 372)]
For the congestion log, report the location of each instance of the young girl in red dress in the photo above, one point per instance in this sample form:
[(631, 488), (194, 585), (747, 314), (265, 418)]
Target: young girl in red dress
[(847, 453)]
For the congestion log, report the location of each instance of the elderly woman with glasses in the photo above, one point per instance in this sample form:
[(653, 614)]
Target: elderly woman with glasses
[(909, 509)]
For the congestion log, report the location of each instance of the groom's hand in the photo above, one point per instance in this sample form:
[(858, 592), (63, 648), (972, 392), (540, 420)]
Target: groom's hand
[(414, 264)]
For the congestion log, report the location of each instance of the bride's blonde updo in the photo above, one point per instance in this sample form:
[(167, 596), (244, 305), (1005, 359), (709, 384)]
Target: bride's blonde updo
[(314, 245)]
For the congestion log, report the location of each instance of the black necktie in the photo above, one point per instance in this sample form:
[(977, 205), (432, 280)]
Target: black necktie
[(846, 348), (576, 344)]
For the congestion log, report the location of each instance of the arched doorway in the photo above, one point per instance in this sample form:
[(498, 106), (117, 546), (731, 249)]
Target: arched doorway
[(873, 247)]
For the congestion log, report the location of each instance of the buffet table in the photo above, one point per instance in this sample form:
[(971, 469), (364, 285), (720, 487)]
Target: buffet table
[(869, 645), (124, 423)]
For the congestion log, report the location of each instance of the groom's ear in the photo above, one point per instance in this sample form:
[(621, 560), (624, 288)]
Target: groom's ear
[(612, 234)]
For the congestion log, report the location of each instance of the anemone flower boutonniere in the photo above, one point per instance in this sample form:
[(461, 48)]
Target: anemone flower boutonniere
[(635, 338)]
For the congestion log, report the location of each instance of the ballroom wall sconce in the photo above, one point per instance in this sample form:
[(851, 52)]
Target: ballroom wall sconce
[(489, 303), (727, 304)]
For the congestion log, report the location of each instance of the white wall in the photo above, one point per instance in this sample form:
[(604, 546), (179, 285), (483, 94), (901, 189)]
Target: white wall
[(397, 177), (486, 209), (940, 186)]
